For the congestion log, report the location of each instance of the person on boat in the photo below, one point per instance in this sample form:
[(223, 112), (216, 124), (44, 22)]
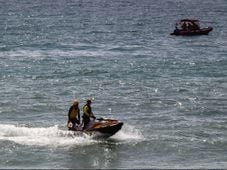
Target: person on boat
[(87, 114), (184, 26), (195, 26), (190, 26), (176, 28), (74, 115)]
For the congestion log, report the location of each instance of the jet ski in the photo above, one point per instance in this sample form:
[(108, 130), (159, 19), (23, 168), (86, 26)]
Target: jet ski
[(98, 128)]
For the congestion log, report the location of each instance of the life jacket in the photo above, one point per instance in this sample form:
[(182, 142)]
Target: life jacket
[(74, 112), (87, 111)]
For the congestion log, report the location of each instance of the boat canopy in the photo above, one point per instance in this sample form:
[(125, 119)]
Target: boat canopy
[(189, 20)]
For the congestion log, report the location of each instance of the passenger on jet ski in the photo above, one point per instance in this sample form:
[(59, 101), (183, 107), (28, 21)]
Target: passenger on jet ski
[(87, 114), (74, 115)]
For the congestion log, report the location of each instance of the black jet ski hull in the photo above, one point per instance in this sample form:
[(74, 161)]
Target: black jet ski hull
[(109, 130), (101, 128)]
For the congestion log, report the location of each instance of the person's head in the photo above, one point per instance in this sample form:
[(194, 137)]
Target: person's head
[(89, 101), (76, 103)]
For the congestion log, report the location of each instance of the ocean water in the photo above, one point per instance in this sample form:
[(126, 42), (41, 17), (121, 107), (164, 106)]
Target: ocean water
[(170, 91)]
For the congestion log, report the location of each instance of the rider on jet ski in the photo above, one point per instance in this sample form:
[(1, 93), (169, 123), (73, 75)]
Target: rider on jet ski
[(87, 114), (74, 115)]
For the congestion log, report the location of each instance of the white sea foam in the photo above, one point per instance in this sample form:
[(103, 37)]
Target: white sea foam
[(42, 136), (128, 132), (53, 136)]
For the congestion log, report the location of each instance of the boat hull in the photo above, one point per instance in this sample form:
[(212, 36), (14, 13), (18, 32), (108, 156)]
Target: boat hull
[(100, 128), (203, 31), (109, 130), (104, 132)]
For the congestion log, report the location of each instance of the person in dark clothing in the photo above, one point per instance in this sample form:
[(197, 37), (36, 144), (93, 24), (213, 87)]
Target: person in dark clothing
[(87, 114), (74, 115), (195, 26), (184, 26)]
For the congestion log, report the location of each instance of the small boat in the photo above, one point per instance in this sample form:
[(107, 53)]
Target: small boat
[(190, 27), (99, 128)]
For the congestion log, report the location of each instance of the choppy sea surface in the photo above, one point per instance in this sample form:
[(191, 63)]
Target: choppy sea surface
[(170, 91)]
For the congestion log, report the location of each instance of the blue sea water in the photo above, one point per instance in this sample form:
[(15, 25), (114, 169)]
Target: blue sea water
[(170, 91)]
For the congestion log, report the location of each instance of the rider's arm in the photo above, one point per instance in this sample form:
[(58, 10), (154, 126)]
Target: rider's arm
[(79, 115), (92, 115), (69, 113)]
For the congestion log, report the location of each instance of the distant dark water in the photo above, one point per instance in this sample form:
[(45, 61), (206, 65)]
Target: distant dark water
[(171, 92)]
